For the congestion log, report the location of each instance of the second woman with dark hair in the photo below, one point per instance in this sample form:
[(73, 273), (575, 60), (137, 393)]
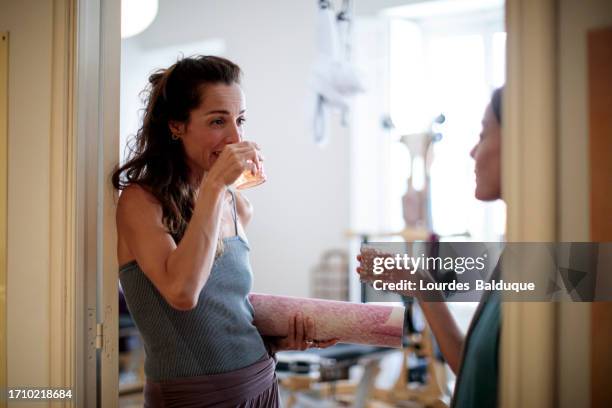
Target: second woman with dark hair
[(473, 357), (182, 246)]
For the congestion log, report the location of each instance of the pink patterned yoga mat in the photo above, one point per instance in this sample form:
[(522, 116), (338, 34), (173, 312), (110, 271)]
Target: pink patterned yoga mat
[(357, 323)]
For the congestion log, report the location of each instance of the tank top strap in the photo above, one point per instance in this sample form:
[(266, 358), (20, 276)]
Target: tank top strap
[(235, 211)]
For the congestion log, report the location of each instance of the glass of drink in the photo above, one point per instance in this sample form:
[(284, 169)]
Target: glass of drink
[(247, 179)]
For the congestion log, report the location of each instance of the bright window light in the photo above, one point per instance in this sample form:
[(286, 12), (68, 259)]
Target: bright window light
[(499, 58), (449, 69), (437, 8)]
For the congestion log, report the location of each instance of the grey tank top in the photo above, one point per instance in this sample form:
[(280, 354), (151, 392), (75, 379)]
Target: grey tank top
[(217, 336)]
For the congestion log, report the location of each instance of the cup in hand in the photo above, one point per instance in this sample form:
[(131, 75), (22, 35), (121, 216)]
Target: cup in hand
[(247, 179)]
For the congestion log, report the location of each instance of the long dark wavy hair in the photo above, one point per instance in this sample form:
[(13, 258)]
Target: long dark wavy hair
[(156, 161)]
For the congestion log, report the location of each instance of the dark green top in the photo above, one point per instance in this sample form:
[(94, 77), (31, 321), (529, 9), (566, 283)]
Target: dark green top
[(477, 382)]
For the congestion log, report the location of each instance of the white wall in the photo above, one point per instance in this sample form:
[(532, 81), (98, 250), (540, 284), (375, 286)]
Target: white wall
[(303, 209), (29, 23)]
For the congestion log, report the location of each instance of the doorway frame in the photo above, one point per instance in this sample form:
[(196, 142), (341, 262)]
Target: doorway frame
[(4, 65), (62, 238), (529, 374), (96, 120)]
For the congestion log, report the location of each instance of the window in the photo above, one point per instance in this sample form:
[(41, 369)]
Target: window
[(436, 64)]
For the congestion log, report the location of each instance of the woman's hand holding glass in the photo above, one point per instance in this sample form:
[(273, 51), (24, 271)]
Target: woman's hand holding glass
[(367, 274), (236, 160)]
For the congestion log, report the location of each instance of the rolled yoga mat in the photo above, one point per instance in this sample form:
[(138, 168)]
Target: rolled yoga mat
[(357, 323)]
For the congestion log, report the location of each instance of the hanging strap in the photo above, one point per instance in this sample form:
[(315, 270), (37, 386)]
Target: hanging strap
[(235, 212)]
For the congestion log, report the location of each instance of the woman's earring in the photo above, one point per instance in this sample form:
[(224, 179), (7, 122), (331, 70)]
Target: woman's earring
[(175, 136)]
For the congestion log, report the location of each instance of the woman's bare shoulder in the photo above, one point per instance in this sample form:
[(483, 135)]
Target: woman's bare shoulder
[(136, 200)]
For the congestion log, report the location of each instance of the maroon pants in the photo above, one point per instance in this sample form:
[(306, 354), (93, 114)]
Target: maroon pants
[(252, 386)]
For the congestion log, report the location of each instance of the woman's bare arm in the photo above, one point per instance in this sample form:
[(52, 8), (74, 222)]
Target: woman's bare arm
[(178, 272), (438, 315), (445, 329)]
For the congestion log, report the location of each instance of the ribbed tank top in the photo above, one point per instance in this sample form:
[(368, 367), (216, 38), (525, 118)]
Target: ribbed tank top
[(217, 336)]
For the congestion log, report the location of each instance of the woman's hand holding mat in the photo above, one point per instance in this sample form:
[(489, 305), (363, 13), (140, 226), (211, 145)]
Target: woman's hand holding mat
[(348, 322)]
